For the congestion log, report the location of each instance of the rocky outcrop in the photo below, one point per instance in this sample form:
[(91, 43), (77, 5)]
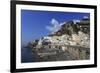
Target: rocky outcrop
[(72, 39)]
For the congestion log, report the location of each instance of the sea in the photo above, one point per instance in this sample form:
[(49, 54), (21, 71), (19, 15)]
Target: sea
[(28, 56)]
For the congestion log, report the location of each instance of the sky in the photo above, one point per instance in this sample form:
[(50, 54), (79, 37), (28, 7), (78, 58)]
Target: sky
[(37, 24)]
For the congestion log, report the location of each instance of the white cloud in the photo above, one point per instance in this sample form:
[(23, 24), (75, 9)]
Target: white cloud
[(55, 26), (54, 22)]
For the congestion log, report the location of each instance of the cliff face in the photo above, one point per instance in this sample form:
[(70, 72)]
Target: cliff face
[(72, 38), (71, 33)]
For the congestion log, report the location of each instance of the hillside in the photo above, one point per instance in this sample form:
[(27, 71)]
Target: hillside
[(70, 42)]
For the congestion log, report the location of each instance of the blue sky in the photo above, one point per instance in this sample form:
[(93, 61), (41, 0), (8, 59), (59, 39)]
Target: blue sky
[(34, 23)]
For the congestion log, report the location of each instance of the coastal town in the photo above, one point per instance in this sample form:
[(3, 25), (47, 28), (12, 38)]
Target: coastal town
[(70, 42)]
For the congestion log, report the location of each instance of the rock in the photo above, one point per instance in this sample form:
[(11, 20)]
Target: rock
[(71, 33)]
